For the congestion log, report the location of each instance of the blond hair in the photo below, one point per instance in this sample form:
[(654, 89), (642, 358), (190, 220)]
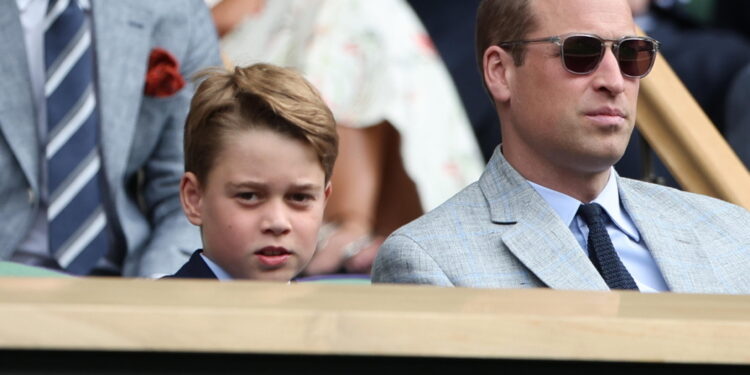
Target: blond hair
[(257, 96)]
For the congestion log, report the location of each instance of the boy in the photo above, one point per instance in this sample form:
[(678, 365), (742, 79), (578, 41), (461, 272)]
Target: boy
[(260, 145)]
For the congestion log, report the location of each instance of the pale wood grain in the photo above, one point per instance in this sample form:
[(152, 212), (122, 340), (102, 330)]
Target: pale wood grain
[(254, 317)]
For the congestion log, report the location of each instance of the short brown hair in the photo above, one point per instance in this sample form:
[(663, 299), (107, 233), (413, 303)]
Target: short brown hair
[(257, 96), (502, 21)]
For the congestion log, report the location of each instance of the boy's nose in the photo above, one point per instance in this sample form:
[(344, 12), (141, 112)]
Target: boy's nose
[(275, 220)]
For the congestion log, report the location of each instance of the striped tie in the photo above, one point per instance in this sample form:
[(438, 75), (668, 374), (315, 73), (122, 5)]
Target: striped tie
[(77, 223)]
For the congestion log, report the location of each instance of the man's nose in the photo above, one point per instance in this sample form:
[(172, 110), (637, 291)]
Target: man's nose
[(608, 76)]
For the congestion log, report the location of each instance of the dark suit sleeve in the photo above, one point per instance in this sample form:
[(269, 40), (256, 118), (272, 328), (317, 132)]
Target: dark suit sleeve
[(402, 260), (173, 238)]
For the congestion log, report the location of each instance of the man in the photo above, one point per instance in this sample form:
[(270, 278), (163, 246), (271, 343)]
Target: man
[(549, 209), (97, 86)]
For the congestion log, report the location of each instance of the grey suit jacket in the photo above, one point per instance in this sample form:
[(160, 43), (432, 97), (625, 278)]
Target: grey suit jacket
[(141, 137), (500, 233)]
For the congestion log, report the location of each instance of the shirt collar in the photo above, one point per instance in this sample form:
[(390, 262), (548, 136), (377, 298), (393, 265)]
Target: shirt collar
[(566, 206), (216, 269), (23, 5)]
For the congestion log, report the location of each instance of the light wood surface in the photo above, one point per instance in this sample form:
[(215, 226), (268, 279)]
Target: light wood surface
[(416, 321), (686, 141)]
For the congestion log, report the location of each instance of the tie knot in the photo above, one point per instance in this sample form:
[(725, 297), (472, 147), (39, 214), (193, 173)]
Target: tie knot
[(591, 213)]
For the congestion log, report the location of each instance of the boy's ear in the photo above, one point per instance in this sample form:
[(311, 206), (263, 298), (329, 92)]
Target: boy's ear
[(498, 72), (191, 197), (328, 190)]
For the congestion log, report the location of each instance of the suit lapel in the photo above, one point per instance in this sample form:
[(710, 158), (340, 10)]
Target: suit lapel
[(676, 248), (537, 236), (122, 44), (17, 112)]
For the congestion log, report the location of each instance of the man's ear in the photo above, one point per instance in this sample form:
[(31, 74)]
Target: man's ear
[(498, 68), (191, 197)]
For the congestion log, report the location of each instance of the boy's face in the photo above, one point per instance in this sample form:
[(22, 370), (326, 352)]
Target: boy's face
[(261, 206)]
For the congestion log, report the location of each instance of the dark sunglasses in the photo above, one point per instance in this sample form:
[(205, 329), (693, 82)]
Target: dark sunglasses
[(582, 53)]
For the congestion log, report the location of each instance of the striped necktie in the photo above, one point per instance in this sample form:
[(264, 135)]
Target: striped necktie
[(601, 251), (77, 224)]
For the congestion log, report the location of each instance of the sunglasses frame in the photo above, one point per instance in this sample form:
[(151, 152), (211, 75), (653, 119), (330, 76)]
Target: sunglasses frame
[(560, 41)]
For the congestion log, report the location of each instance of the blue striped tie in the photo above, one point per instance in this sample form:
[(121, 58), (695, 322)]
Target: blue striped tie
[(77, 224)]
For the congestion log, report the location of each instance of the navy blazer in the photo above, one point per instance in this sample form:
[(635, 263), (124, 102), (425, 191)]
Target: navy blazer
[(194, 268)]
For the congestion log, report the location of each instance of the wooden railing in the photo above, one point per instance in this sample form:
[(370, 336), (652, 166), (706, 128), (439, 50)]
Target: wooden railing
[(42, 316), (686, 141)]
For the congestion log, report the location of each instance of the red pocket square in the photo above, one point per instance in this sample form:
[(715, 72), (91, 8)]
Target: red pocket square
[(163, 77)]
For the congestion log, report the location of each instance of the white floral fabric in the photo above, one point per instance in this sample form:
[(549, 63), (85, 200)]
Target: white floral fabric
[(372, 61)]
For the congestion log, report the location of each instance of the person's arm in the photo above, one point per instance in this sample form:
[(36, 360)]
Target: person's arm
[(173, 238), (351, 210), (229, 13)]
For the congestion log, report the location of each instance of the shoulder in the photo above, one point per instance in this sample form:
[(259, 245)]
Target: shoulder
[(451, 229), (681, 204), (422, 252), (194, 268), (464, 208)]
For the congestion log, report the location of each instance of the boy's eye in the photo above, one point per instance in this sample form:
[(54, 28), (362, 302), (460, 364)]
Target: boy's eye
[(247, 196), (300, 197)]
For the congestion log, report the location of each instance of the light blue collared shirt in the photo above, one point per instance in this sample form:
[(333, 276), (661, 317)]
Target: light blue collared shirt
[(219, 272), (216, 269), (625, 237)]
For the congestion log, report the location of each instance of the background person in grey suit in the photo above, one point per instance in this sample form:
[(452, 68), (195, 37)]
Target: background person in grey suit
[(139, 136), (567, 105)]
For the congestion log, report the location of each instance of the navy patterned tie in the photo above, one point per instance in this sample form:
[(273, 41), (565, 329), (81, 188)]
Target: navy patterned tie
[(601, 251), (77, 224)]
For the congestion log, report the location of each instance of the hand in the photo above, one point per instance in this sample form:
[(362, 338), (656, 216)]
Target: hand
[(334, 252), (362, 261)]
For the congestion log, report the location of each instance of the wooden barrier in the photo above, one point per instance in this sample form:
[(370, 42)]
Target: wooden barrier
[(352, 321), (686, 141)]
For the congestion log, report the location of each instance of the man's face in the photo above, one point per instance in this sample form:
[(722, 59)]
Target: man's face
[(262, 205), (574, 123)]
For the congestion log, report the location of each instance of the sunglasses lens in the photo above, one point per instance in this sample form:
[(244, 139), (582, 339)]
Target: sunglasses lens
[(636, 56), (581, 54)]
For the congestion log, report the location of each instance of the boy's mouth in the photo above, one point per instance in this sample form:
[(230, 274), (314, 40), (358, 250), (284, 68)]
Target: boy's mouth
[(273, 256)]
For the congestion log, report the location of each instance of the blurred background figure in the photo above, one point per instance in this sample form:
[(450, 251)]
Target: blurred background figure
[(728, 14), (406, 144), (451, 26), (93, 98), (709, 60)]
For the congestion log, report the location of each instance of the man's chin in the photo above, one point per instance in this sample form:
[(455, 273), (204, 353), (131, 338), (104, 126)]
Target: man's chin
[(607, 155), (599, 162)]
